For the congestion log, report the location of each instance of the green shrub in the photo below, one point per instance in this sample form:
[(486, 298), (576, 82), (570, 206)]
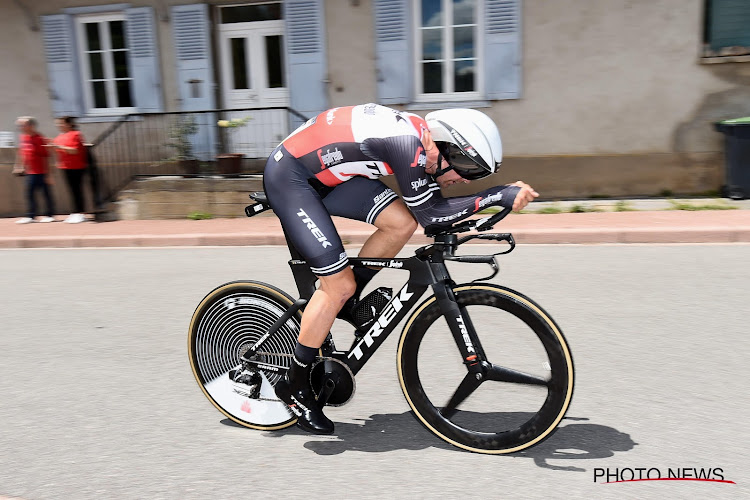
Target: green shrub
[(580, 209), (691, 207), (622, 206), (551, 209), (199, 216)]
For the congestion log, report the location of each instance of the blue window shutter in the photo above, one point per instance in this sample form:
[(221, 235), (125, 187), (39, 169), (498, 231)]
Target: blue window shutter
[(62, 68), (144, 59), (394, 65), (195, 80), (729, 24), (502, 51), (308, 78)]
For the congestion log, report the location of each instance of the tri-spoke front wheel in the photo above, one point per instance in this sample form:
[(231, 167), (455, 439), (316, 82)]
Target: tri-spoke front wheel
[(522, 390)]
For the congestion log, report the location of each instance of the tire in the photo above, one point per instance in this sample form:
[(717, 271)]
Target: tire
[(498, 417), (227, 321)]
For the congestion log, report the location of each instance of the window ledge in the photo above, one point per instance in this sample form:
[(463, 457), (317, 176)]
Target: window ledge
[(420, 106), (104, 118), (725, 59)]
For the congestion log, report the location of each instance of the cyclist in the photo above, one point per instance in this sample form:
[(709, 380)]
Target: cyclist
[(330, 166)]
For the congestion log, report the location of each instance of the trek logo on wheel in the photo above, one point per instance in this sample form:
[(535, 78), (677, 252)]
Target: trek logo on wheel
[(465, 334), (390, 311), (314, 229)]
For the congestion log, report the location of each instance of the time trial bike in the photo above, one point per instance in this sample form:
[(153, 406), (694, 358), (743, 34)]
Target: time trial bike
[(482, 366)]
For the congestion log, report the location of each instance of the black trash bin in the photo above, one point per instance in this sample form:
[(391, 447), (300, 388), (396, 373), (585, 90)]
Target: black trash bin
[(737, 150)]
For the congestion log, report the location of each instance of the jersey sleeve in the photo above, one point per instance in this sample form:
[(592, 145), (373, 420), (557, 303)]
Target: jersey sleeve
[(421, 192)]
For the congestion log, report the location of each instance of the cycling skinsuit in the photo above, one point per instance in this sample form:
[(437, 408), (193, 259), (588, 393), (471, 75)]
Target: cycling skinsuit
[(330, 166)]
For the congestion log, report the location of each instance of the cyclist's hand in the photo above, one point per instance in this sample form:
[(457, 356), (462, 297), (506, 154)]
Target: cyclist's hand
[(525, 196)]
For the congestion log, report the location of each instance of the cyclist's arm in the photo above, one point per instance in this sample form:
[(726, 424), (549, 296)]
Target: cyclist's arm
[(422, 194)]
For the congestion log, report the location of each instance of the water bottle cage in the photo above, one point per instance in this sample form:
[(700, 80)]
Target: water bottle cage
[(369, 307)]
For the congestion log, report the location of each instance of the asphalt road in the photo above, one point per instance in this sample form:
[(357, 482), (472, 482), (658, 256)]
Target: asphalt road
[(98, 399)]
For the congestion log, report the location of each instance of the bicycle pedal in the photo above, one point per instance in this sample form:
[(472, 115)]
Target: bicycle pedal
[(245, 383)]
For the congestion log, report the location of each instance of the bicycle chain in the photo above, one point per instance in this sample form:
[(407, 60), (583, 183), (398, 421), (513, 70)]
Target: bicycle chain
[(283, 355)]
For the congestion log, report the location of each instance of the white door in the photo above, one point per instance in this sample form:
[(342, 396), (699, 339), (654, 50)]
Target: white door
[(253, 75)]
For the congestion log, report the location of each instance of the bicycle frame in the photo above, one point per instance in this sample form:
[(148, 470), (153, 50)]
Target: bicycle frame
[(426, 269)]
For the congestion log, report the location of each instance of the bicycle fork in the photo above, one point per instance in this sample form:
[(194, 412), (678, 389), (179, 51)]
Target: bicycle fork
[(468, 345)]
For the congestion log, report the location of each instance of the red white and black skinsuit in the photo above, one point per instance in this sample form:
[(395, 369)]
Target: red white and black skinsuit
[(330, 166)]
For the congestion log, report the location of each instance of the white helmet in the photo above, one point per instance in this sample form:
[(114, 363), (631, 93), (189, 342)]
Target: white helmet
[(468, 140)]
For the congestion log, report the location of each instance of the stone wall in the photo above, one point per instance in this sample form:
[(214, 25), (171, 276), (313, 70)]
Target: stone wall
[(179, 198), (555, 177)]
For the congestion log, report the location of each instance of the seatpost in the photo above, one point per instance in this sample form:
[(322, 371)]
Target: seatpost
[(447, 243)]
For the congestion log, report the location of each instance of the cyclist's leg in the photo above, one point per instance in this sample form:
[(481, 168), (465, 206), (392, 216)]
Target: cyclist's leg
[(309, 227), (395, 226), (371, 201)]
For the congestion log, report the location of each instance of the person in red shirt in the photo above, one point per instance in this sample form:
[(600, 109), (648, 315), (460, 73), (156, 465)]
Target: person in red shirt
[(71, 159), (31, 161)]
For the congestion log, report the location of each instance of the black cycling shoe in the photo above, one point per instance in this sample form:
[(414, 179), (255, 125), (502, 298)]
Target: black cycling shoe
[(303, 404)]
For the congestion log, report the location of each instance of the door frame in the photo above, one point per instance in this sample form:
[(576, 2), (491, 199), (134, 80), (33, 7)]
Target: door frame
[(258, 96)]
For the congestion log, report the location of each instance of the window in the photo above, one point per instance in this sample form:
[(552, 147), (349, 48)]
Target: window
[(448, 36), (251, 13), (447, 49), (106, 75), (727, 28), (102, 61), (447, 52)]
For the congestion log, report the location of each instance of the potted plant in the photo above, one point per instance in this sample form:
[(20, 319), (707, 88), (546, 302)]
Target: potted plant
[(231, 163), (179, 138)]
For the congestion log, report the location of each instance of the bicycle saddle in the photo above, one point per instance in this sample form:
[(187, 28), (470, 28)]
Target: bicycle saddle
[(259, 196)]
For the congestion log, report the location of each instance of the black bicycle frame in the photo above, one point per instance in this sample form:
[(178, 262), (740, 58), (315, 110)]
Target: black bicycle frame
[(426, 269)]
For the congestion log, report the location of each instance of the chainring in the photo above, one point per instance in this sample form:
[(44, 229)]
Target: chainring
[(341, 375)]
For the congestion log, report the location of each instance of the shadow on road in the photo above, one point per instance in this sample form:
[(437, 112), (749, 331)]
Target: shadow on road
[(573, 440)]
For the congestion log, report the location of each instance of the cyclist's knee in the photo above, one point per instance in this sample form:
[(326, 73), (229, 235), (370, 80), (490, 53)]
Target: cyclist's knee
[(396, 219), (339, 286)]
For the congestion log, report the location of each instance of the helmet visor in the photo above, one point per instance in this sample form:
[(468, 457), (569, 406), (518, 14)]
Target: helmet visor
[(461, 162)]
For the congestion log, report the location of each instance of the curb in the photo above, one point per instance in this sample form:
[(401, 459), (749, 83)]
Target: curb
[(529, 236), (585, 228)]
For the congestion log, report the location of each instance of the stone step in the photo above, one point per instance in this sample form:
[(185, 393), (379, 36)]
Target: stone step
[(175, 197)]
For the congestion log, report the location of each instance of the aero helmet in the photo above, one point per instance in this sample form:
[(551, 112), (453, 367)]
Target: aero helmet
[(468, 140)]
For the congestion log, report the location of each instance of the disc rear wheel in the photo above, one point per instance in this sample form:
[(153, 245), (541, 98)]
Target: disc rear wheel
[(226, 323)]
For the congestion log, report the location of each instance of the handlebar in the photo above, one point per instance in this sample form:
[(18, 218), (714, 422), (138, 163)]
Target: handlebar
[(483, 224)]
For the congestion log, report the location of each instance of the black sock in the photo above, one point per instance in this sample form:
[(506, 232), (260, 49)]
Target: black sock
[(305, 355), (299, 372)]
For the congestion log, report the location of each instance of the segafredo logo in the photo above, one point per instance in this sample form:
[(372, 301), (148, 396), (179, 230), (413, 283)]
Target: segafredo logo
[(388, 314), (314, 229), (483, 202), (330, 158), (420, 158)]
